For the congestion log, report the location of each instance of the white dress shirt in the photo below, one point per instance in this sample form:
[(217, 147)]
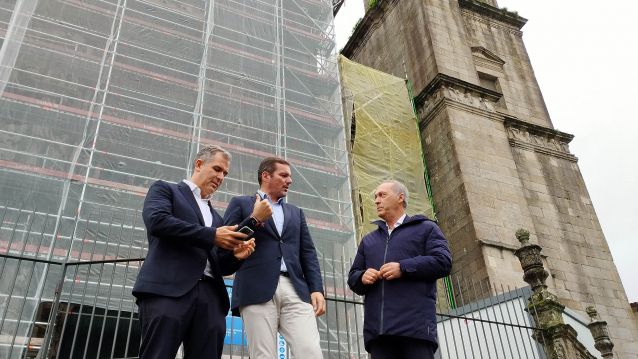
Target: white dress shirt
[(399, 222), (206, 213)]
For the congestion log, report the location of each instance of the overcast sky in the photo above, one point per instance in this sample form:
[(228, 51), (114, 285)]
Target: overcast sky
[(585, 56)]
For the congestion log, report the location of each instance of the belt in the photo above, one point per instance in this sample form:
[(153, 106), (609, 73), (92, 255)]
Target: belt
[(284, 274)]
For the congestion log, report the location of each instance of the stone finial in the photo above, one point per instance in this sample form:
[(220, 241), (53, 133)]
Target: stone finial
[(531, 262), (598, 329), (523, 236), (593, 313), (558, 338)]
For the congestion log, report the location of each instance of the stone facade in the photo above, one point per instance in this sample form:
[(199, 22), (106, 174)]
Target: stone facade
[(496, 163)]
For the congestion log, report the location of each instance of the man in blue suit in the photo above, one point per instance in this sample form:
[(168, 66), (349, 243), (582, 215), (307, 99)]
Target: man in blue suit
[(279, 287), (180, 289)]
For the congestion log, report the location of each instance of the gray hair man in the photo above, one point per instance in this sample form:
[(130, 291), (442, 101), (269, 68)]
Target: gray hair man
[(396, 268), (180, 288)]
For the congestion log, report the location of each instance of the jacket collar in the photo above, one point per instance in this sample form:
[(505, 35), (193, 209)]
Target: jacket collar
[(407, 221), (270, 223), (263, 196)]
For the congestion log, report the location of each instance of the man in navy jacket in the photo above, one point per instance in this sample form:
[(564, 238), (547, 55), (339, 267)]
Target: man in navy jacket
[(396, 268), (180, 289), (279, 288)]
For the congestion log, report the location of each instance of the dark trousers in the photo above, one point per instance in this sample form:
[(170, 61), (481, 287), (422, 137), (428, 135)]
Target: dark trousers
[(196, 319), (396, 347)]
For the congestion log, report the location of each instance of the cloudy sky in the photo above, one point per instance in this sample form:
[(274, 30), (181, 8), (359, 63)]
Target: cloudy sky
[(585, 57)]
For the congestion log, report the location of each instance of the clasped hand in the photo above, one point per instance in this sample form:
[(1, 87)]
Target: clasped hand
[(388, 271), (261, 210)]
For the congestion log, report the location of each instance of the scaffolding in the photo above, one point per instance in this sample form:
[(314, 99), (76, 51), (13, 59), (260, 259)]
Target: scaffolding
[(384, 138), (99, 98)]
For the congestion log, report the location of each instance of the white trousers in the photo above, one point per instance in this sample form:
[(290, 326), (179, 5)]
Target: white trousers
[(287, 314)]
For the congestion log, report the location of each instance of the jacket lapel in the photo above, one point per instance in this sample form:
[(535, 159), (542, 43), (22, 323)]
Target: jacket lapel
[(188, 194), (270, 225), (287, 216)]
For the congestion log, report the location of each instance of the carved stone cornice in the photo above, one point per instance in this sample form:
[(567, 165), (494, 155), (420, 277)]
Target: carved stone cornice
[(539, 139), (372, 19), (470, 18), (494, 13), (442, 80), (455, 91)]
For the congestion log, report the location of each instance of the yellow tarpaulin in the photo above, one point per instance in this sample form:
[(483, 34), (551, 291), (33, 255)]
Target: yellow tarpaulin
[(385, 140)]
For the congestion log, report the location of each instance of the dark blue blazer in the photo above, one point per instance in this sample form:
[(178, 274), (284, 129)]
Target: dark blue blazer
[(179, 244), (256, 281)]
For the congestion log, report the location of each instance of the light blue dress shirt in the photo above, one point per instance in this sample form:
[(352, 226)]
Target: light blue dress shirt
[(278, 218)]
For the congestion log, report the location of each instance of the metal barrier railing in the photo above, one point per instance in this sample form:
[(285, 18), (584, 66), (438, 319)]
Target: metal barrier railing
[(83, 308), (82, 321), (58, 317)]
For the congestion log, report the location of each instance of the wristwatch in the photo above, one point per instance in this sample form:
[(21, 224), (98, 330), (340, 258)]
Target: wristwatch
[(253, 222)]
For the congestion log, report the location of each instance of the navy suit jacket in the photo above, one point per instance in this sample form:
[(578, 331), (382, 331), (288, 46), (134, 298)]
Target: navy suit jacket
[(179, 244), (257, 279)]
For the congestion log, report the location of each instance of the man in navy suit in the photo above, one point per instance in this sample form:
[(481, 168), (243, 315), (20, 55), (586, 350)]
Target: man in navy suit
[(279, 287), (180, 289)]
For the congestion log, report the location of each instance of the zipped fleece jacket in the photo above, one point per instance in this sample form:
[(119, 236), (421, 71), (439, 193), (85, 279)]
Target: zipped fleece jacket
[(405, 306)]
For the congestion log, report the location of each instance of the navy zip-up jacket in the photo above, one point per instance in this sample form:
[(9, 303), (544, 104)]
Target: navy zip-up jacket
[(405, 306)]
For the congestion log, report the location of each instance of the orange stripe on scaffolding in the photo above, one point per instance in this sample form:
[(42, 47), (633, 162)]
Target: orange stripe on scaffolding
[(193, 86), (58, 252), (169, 31), (157, 130), (137, 190)]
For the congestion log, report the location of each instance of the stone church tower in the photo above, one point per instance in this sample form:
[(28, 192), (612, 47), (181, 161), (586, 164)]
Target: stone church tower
[(495, 160)]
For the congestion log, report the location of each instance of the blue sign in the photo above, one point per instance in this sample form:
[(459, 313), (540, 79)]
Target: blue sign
[(281, 347), (234, 325), (235, 328), (234, 331)]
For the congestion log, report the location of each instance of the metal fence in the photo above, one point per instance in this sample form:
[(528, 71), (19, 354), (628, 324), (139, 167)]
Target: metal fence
[(67, 304), (495, 325)]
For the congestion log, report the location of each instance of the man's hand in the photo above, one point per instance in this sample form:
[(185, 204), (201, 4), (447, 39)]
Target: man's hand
[(245, 249), (318, 303), (262, 209), (227, 238), (370, 276), (391, 270)]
